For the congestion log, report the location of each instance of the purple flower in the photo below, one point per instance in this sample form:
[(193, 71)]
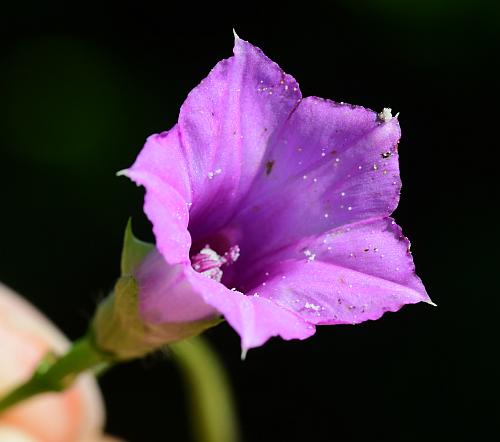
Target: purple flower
[(272, 209)]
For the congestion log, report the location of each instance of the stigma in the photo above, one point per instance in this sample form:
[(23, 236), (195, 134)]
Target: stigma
[(208, 262)]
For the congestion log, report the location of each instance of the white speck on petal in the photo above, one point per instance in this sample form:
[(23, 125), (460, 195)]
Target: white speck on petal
[(312, 306), (310, 255), (214, 173)]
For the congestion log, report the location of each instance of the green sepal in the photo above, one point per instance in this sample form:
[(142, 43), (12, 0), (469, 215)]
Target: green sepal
[(134, 251), (119, 328)]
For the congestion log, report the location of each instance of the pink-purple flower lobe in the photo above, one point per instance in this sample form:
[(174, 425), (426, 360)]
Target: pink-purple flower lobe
[(271, 209)]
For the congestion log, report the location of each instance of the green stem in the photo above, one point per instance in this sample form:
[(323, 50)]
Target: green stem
[(211, 401), (56, 374)]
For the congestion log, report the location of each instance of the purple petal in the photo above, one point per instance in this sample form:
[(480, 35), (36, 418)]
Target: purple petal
[(211, 158), (166, 295), (161, 169), (300, 186), (226, 125), (349, 275), (256, 319), (176, 293), (332, 165)]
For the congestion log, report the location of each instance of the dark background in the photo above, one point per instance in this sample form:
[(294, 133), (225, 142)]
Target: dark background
[(81, 92)]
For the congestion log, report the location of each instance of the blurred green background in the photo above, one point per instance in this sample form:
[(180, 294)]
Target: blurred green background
[(81, 92)]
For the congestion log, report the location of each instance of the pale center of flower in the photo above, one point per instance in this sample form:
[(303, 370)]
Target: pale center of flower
[(208, 262)]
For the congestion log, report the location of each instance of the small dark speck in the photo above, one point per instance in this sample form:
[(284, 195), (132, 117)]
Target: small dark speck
[(213, 114), (333, 152), (265, 129), (269, 167), (366, 250), (385, 155)]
